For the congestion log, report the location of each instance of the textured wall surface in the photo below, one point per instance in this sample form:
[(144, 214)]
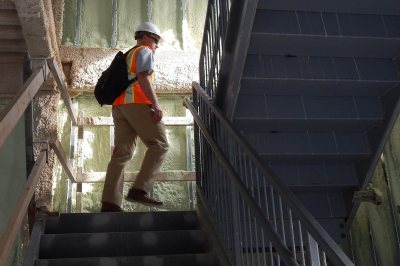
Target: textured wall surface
[(375, 230), (12, 179), (97, 151), (91, 29)]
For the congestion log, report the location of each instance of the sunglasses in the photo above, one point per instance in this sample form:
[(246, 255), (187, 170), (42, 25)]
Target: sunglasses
[(154, 38)]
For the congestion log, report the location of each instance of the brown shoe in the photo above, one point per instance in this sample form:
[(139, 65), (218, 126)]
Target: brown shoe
[(110, 207), (140, 196)]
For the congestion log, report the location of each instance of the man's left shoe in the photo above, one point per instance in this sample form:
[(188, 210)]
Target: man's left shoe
[(110, 207), (141, 196)]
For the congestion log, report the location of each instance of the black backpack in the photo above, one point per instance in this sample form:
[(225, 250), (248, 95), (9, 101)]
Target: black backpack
[(113, 81)]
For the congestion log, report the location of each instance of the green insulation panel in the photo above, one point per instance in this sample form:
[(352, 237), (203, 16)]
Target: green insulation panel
[(109, 23), (168, 16), (130, 15), (69, 22), (96, 23)]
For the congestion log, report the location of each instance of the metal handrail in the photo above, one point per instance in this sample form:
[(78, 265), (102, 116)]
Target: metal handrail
[(226, 36), (9, 118), (250, 170), (9, 234), (278, 244), (212, 50)]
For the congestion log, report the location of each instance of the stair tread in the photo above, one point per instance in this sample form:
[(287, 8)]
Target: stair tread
[(389, 7), (319, 45), (315, 86), (127, 221), (122, 243), (199, 259), (320, 68), (298, 124)]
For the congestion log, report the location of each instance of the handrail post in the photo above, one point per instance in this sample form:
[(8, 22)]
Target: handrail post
[(63, 88)]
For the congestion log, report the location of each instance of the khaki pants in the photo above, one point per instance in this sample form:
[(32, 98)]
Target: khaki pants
[(131, 121)]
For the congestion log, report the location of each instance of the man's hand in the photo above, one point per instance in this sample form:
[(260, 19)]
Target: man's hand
[(157, 115)]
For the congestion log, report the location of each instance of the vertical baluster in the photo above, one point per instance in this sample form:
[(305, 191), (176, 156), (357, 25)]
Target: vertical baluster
[(213, 42), (253, 193), (208, 63), (274, 216), (251, 240), (230, 211), (323, 255), (224, 206), (271, 190), (282, 220), (303, 258), (291, 227), (238, 240), (271, 258), (239, 227), (246, 239), (245, 173), (209, 46), (207, 177), (257, 244), (313, 258), (264, 258)]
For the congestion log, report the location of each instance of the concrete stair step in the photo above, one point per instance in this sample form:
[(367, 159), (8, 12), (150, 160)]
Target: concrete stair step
[(121, 222), (388, 7), (202, 259), (322, 86), (116, 244)]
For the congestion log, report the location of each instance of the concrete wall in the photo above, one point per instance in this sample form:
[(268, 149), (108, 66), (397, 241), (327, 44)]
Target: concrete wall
[(96, 153), (88, 38), (94, 24), (87, 49), (375, 230), (12, 179)]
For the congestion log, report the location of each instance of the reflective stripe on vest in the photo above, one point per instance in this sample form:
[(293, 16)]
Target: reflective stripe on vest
[(133, 93)]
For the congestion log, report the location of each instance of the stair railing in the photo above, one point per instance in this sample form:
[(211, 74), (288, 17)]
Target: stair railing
[(226, 37), (212, 48), (9, 118), (259, 219)]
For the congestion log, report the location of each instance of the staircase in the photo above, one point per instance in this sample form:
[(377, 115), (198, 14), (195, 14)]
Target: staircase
[(146, 239), (318, 96)]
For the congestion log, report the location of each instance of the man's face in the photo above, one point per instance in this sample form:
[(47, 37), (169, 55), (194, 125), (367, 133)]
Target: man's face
[(151, 40)]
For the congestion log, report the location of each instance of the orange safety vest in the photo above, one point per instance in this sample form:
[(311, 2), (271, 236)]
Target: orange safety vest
[(133, 93)]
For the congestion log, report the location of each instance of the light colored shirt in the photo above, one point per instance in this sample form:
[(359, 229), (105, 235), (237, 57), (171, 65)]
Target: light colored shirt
[(139, 59)]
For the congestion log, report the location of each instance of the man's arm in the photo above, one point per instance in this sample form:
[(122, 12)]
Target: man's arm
[(146, 85)]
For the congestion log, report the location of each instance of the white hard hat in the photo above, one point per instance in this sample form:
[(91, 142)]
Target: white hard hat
[(149, 27)]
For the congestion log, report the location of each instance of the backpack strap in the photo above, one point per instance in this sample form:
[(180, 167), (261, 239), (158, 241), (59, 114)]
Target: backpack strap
[(126, 55), (134, 47)]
